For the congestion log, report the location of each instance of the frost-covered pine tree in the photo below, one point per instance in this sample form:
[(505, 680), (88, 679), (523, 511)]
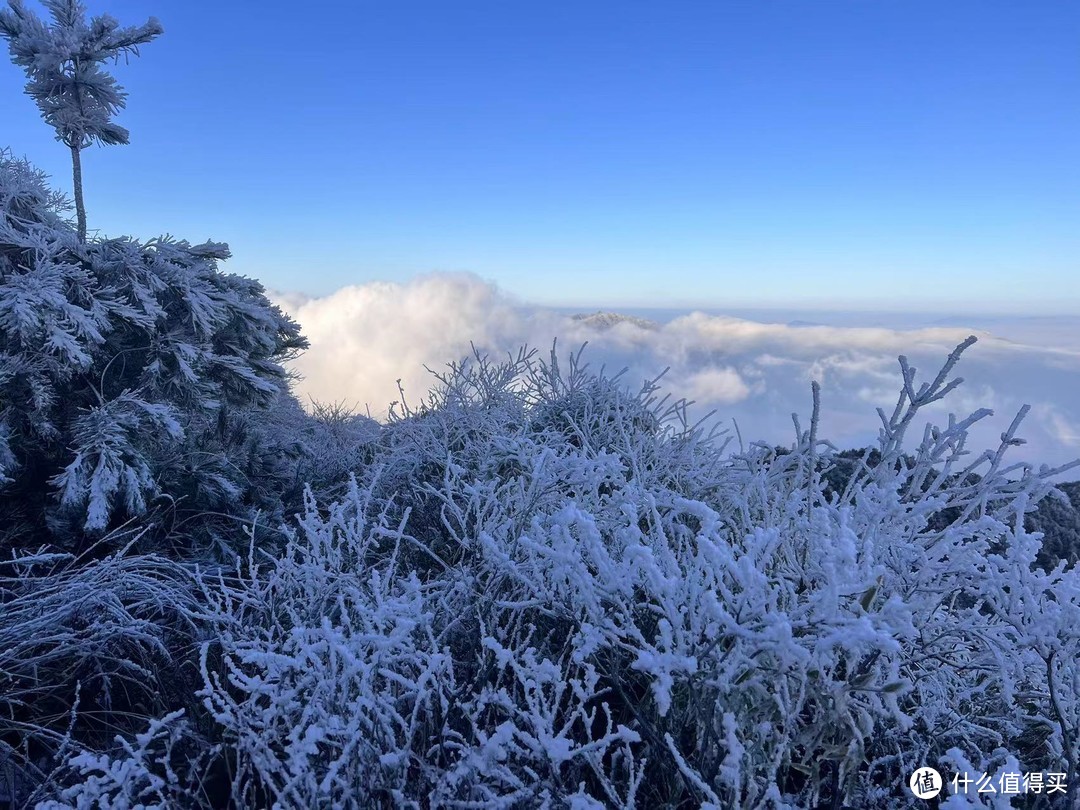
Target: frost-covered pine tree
[(128, 370), (63, 64)]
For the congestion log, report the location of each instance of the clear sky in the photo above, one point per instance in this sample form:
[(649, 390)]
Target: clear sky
[(873, 154)]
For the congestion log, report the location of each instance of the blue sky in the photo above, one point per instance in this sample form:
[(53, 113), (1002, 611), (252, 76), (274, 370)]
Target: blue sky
[(874, 154)]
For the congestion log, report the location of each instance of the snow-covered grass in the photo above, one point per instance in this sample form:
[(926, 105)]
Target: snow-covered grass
[(544, 591), (88, 648)]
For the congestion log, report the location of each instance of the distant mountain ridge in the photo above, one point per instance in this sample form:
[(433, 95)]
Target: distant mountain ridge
[(606, 320)]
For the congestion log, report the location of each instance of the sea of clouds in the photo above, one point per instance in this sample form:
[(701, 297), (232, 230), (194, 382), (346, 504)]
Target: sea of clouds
[(754, 373)]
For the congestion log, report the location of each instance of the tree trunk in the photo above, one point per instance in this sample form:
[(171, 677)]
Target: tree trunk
[(80, 208)]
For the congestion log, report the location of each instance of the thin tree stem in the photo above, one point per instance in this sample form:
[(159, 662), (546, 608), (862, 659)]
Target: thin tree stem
[(80, 208)]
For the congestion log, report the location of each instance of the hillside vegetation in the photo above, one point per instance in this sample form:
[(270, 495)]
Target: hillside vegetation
[(538, 588)]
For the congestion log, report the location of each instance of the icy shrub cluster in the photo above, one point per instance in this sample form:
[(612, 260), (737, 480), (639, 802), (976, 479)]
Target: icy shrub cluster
[(545, 592), (133, 376)]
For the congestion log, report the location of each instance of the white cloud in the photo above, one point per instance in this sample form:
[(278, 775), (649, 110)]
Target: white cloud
[(365, 338), (1065, 430), (714, 385)]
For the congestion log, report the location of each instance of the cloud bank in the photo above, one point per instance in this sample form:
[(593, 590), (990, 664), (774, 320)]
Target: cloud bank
[(367, 338)]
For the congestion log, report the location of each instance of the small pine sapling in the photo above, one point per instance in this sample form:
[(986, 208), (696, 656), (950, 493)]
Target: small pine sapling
[(63, 62)]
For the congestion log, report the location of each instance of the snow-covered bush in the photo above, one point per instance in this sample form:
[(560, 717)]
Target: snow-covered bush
[(1058, 517), (127, 370), (545, 592), (162, 768)]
